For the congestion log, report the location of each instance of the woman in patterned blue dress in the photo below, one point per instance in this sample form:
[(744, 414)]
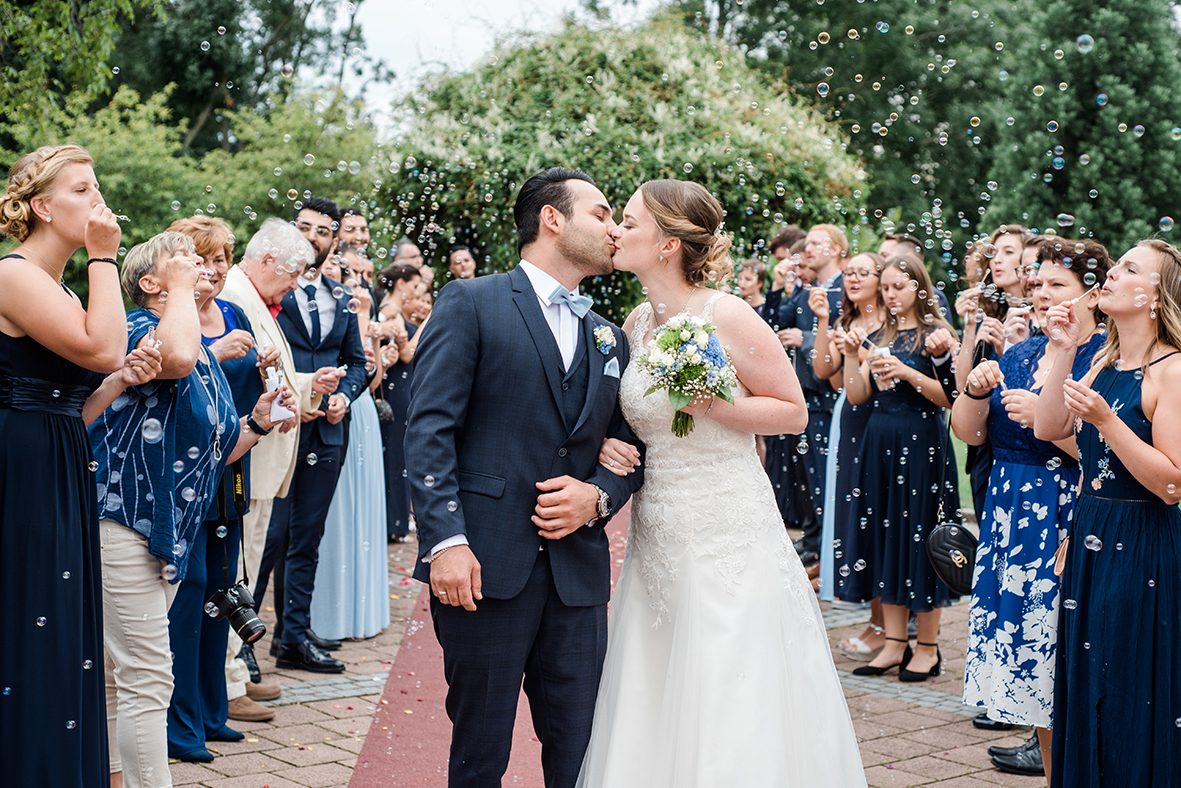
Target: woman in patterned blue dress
[(1013, 623), (1117, 687)]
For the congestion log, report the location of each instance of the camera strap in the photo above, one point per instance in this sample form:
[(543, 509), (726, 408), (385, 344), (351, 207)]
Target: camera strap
[(238, 484)]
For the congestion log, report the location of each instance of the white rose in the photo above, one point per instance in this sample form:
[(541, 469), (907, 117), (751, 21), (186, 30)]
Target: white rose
[(701, 339), (685, 335)]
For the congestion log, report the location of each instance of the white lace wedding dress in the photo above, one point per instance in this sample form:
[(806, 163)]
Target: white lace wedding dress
[(718, 670)]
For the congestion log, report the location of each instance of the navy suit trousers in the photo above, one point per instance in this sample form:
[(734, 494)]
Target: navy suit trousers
[(560, 651)]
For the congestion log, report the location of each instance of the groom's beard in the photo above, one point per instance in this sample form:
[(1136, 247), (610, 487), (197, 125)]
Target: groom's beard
[(590, 256)]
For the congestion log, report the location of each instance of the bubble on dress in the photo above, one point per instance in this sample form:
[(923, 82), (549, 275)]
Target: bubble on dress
[(189, 494), (859, 565), (66, 575), (169, 572), (152, 431), (312, 459), (93, 466), (428, 480), (1069, 604), (1093, 543), (178, 466), (452, 506), (41, 621), (87, 664), (221, 532), (70, 724)]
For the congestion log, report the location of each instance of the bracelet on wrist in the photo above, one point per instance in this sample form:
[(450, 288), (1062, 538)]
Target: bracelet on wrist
[(255, 427), (430, 558), (110, 260), (711, 406), (979, 397)]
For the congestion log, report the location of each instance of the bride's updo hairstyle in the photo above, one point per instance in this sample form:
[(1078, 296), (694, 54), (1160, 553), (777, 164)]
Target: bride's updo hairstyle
[(33, 176), (687, 212)]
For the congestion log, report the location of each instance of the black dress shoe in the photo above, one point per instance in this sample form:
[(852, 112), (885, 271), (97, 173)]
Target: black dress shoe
[(305, 656), (1028, 762), (321, 643), (199, 755), (225, 733), (246, 654), (986, 723), (912, 676), (1007, 751), (274, 649), (872, 670)]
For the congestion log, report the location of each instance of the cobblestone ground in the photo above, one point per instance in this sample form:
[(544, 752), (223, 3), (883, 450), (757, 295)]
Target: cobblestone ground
[(909, 734)]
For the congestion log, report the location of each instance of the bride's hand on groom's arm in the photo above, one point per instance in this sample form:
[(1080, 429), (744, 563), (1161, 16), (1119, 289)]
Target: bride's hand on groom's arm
[(455, 577), (564, 505), (619, 457)]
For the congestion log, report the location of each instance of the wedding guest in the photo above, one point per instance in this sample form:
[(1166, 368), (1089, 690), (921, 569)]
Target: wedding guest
[(322, 332), (200, 704), (903, 243), (862, 312), (751, 276), (352, 575), (781, 243), (151, 506), (460, 263), (1116, 693), (1013, 625), (401, 282), (257, 284), (52, 358), (896, 510), (983, 308), (317, 220), (354, 231)]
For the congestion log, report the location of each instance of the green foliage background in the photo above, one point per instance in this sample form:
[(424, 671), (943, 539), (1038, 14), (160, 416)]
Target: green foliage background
[(626, 106)]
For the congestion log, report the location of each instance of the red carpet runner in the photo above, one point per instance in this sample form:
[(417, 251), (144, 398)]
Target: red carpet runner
[(408, 742)]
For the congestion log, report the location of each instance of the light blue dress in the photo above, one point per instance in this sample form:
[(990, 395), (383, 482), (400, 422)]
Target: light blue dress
[(351, 596)]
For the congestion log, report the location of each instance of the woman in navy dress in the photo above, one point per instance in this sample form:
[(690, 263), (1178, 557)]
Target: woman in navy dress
[(1117, 690), (53, 355), (1013, 623), (862, 310), (905, 435), (400, 283)]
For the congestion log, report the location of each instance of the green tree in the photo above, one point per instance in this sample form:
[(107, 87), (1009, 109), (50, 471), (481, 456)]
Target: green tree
[(51, 48), (626, 106), (1093, 147), (914, 86), (225, 55)]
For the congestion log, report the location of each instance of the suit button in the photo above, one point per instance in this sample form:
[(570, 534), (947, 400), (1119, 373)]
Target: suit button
[(565, 387), (562, 452)]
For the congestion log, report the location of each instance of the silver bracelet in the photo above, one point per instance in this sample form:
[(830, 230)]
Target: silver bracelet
[(430, 558), (711, 406)]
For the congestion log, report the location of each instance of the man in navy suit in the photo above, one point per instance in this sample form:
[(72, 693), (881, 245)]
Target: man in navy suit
[(325, 343), (515, 388)]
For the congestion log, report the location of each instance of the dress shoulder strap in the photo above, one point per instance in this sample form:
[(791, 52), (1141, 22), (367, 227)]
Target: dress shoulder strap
[(643, 321), (708, 311)]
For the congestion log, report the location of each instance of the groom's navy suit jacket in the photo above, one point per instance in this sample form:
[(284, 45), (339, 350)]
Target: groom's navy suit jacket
[(486, 423)]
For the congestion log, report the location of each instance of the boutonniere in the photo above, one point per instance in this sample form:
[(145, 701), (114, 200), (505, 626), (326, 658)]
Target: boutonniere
[(604, 339)]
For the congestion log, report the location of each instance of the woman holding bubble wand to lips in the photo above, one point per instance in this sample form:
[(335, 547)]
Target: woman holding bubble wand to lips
[(1117, 687), (1012, 626)]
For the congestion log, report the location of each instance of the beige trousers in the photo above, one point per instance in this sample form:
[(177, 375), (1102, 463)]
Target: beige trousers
[(254, 528), (138, 661)]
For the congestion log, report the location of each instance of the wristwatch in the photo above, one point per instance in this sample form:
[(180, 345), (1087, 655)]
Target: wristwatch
[(604, 502)]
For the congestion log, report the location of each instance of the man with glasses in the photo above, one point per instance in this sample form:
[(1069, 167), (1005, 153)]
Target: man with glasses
[(354, 229), (318, 221)]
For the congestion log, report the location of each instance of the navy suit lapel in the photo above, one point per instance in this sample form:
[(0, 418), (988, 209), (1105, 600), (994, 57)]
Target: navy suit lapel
[(597, 362), (291, 313), (539, 330)]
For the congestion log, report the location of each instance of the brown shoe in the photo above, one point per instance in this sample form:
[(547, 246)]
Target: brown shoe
[(263, 691), (246, 710)]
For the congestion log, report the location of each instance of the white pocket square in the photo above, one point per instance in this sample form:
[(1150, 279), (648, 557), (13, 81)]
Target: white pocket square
[(611, 368)]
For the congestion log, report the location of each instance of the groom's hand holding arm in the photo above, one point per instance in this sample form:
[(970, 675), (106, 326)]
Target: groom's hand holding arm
[(565, 505)]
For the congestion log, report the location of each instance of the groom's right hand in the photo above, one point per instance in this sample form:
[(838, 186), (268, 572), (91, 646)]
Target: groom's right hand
[(455, 577)]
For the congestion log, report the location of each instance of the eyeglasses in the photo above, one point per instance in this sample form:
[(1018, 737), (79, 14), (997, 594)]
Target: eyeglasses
[(852, 273), (321, 230)]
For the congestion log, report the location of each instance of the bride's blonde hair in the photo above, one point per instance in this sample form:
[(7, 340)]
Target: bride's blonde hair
[(688, 212)]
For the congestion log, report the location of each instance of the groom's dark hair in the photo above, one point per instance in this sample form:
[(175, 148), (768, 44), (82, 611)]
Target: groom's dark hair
[(544, 188)]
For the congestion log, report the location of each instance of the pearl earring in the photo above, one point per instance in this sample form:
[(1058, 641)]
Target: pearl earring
[(1152, 313), (48, 219)]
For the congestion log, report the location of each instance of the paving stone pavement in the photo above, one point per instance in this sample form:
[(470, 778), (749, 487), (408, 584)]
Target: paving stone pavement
[(909, 734)]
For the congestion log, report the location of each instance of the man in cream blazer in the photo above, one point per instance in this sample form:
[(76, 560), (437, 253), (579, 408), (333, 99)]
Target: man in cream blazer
[(268, 271)]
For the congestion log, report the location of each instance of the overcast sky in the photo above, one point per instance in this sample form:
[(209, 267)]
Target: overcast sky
[(416, 36)]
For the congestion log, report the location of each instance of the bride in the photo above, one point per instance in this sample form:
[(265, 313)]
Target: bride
[(718, 670)]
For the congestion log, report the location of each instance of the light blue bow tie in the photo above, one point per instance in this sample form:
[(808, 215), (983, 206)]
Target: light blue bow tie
[(579, 304)]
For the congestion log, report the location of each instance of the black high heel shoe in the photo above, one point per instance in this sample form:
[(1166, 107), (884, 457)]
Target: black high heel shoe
[(870, 670), (912, 676)]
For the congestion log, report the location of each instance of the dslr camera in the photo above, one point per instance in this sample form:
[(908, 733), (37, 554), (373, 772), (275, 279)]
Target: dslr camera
[(237, 604)]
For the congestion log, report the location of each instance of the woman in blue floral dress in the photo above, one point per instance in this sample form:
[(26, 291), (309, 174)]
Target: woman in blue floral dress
[(1013, 623)]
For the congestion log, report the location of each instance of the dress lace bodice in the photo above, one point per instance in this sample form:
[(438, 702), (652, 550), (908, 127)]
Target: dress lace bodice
[(705, 494)]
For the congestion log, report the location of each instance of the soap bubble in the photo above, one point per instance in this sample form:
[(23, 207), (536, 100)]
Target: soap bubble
[(1166, 224), (178, 466), (1093, 543), (309, 160), (1085, 44), (222, 531), (189, 494), (428, 480), (204, 46), (152, 431), (168, 572), (822, 89), (452, 506), (312, 459), (175, 205)]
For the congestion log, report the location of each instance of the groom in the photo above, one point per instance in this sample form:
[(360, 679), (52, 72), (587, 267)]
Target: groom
[(515, 388)]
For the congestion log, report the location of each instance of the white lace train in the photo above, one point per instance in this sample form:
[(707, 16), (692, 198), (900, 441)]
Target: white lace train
[(718, 669)]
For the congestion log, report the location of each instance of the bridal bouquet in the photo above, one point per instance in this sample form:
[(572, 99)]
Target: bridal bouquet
[(687, 360)]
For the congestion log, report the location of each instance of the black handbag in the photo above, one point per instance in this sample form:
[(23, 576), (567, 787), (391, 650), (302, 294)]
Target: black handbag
[(951, 547), (385, 413), (952, 550)]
